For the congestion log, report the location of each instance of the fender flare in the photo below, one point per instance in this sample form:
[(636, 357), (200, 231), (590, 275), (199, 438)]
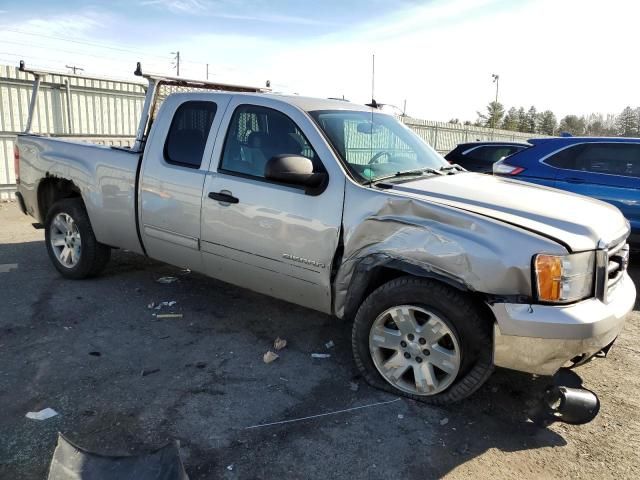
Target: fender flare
[(366, 268)]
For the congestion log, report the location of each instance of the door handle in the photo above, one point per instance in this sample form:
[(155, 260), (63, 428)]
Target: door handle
[(223, 197), (574, 180)]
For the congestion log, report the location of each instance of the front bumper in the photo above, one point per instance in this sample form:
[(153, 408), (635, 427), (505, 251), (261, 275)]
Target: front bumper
[(543, 338)]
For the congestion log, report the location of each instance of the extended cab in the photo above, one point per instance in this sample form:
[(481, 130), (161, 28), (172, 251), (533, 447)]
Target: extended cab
[(342, 209)]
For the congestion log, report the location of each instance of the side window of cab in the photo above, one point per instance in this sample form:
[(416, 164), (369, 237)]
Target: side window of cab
[(256, 134), (188, 133)]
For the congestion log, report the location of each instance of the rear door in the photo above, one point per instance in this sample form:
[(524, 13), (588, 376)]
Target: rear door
[(607, 171), (174, 168), (272, 238)]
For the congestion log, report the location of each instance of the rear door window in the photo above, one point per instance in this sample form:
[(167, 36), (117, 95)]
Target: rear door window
[(612, 159), (188, 133), (621, 159)]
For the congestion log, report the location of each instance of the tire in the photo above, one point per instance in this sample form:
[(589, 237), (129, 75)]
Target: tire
[(452, 366), (85, 256)]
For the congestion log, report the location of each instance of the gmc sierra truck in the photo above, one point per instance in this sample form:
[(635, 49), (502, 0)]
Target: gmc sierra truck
[(342, 209)]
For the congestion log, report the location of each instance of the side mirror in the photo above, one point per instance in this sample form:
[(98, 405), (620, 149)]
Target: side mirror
[(294, 170)]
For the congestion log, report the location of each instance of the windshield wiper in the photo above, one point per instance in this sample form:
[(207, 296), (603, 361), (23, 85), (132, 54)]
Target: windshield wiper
[(453, 166), (408, 173)]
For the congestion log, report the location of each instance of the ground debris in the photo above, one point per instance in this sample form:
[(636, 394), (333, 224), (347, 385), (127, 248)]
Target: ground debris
[(270, 357), (279, 344), (43, 414), (329, 344), (320, 355), (444, 421), (148, 371), (169, 315), (353, 386), (166, 280)]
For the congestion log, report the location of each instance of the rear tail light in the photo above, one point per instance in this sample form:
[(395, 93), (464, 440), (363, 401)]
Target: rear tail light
[(506, 169), (16, 162)]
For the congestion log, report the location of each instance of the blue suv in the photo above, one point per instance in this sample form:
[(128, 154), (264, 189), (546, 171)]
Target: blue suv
[(603, 168)]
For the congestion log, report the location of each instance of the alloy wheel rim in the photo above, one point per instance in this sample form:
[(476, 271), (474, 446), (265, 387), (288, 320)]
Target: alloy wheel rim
[(65, 240), (414, 350)]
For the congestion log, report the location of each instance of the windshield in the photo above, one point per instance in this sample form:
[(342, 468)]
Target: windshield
[(376, 146)]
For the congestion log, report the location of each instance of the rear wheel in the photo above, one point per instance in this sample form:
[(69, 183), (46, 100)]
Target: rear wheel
[(424, 340), (71, 243)]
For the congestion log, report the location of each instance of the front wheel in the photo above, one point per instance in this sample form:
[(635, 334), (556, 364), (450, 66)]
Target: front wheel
[(71, 243), (424, 340)]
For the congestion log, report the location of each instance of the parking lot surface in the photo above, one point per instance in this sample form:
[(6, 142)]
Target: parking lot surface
[(125, 381)]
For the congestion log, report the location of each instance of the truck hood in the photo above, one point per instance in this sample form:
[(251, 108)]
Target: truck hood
[(577, 221)]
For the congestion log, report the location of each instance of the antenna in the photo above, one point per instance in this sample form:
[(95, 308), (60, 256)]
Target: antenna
[(373, 78)]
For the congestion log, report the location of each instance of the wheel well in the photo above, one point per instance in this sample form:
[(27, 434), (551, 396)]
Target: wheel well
[(53, 189), (364, 285)]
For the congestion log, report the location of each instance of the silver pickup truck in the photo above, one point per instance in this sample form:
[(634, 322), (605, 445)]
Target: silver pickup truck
[(342, 209)]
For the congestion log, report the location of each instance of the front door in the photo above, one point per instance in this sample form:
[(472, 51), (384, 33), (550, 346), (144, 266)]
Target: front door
[(270, 237)]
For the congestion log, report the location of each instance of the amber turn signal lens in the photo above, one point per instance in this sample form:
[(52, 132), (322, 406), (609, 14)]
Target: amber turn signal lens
[(549, 277)]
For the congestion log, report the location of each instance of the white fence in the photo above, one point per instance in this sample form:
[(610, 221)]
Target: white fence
[(90, 109), (105, 111), (445, 136)]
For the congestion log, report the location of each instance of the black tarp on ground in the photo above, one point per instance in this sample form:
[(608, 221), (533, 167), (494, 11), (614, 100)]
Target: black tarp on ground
[(71, 462)]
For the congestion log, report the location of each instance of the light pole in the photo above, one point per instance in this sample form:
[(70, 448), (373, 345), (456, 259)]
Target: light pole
[(496, 80)]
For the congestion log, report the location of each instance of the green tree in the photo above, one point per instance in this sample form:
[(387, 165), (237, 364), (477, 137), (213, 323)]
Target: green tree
[(522, 120), (510, 121), (573, 124), (493, 117), (627, 123), (455, 121), (531, 122), (547, 123)]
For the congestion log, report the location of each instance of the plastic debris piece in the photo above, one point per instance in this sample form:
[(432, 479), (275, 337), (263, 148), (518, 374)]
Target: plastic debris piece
[(167, 279), (270, 357), (320, 355), (400, 416), (354, 386), (329, 344), (185, 271), (165, 304), (230, 467), (151, 305), (169, 315), (279, 344), (42, 414), (444, 421)]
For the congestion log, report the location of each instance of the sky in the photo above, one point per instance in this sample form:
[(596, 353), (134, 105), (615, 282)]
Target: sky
[(569, 56)]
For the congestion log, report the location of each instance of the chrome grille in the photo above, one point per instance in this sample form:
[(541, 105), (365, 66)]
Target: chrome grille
[(618, 261)]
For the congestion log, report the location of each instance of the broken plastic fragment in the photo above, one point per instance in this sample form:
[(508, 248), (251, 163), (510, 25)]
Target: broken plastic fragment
[(329, 344), (42, 414), (169, 315), (165, 304), (270, 357), (279, 344), (320, 355), (166, 279), (444, 421)]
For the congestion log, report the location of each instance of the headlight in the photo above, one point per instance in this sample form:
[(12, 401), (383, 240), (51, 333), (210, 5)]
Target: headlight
[(564, 278)]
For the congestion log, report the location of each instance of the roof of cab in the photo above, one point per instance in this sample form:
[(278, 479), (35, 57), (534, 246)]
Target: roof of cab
[(308, 104)]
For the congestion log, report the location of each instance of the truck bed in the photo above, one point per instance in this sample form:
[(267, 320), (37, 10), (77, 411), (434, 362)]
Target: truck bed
[(105, 176)]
